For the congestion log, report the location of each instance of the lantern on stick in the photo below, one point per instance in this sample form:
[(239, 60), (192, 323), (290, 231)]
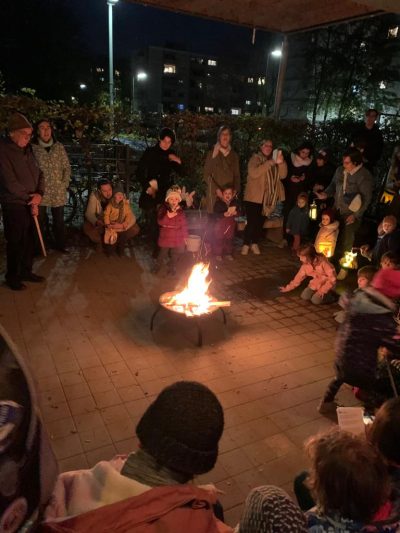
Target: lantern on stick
[(325, 248), (349, 261), (313, 211), (387, 197)]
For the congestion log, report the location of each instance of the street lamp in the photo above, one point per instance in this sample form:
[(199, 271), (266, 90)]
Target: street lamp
[(111, 4), (276, 54), (140, 76)]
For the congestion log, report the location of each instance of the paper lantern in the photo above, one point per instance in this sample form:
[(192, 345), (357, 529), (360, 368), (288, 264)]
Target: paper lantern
[(313, 212), (326, 248), (387, 197), (349, 261)]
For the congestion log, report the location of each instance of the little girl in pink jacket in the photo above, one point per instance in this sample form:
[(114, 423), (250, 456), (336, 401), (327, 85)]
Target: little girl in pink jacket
[(320, 290)]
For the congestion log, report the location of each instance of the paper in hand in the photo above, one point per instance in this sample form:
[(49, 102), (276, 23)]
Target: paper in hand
[(351, 419)]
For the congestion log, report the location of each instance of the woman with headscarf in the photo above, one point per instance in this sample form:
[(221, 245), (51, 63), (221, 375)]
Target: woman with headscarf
[(264, 189), (221, 168)]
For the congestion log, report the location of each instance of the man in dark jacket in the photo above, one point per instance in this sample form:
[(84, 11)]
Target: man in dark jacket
[(21, 191), (371, 136), (155, 175)]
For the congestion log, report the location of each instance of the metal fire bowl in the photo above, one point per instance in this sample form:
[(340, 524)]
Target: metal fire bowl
[(166, 296)]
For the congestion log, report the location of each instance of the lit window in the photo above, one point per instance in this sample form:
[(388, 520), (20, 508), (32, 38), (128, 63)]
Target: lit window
[(250, 80), (200, 85), (200, 60), (102, 78), (258, 102), (180, 82), (382, 85), (212, 63), (393, 32), (181, 107), (209, 109), (363, 44), (169, 69), (98, 69), (117, 73), (261, 81), (248, 102), (235, 111)]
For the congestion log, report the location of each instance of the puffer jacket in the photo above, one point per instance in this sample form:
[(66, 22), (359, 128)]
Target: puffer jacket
[(54, 164), (327, 234), (322, 273), (173, 231)]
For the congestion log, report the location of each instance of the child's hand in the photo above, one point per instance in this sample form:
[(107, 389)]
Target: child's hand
[(279, 158), (212, 489), (283, 289), (151, 192), (171, 214)]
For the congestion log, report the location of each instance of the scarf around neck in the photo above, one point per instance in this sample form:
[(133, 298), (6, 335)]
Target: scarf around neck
[(297, 161), (142, 467), (224, 151), (44, 144)]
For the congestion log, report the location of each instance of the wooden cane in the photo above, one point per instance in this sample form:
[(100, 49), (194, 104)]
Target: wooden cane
[(35, 218)]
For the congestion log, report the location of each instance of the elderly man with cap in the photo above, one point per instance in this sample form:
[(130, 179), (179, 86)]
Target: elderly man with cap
[(21, 191), (152, 489)]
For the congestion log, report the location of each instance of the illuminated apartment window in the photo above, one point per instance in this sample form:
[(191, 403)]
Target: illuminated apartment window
[(363, 44), (169, 69), (248, 102), (209, 109), (250, 80), (200, 85), (382, 85), (393, 32), (235, 111), (212, 63), (261, 81)]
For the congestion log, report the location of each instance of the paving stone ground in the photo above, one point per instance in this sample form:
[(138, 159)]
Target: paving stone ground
[(97, 366)]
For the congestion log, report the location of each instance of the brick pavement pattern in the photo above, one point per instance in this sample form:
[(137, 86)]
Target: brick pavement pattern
[(85, 333)]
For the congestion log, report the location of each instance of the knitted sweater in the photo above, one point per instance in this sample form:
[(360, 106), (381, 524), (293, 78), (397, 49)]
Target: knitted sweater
[(56, 169)]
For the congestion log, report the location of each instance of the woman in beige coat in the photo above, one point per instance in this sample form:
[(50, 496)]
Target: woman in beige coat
[(264, 189)]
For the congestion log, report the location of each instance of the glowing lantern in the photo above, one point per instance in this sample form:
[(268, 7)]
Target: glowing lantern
[(349, 261), (325, 248), (313, 212), (387, 197)]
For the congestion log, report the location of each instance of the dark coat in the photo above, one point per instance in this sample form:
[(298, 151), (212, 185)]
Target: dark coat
[(155, 165), (298, 221), (368, 325), (20, 175), (386, 243), (374, 143)]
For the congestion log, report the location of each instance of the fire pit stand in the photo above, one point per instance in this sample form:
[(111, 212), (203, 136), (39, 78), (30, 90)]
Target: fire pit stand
[(195, 318)]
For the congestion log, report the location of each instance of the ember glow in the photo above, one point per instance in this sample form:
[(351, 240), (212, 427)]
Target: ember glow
[(194, 299)]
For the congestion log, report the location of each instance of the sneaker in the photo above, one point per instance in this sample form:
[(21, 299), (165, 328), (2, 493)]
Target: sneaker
[(218, 258), (229, 257), (245, 249), (342, 274), (326, 408), (255, 249)]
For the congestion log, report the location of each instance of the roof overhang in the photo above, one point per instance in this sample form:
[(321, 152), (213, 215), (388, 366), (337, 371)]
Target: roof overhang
[(283, 16)]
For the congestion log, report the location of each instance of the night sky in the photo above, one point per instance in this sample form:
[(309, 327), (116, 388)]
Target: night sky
[(136, 26)]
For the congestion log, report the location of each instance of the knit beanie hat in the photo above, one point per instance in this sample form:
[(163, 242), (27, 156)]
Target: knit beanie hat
[(118, 187), (174, 191), (330, 213), (182, 427), (368, 272), (269, 509), (18, 121), (167, 132), (387, 281)]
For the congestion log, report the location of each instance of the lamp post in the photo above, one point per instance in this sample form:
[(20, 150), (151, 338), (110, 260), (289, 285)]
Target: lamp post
[(111, 4), (276, 54), (139, 76)]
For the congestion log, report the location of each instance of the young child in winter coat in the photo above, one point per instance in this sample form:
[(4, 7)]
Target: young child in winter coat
[(118, 218), (298, 221), (365, 276), (225, 211), (369, 325), (173, 230), (388, 241), (325, 242), (320, 290)]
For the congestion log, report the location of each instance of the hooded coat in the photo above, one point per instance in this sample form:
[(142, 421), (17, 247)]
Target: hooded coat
[(327, 234)]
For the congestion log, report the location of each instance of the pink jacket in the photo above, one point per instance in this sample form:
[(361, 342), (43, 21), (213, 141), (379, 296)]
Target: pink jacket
[(323, 276), (173, 231)]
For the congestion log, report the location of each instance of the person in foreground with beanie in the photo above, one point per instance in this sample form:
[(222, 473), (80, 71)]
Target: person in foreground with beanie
[(21, 191), (369, 325), (151, 489), (173, 231)]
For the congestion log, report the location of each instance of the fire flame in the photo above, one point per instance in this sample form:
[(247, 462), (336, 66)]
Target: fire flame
[(193, 300)]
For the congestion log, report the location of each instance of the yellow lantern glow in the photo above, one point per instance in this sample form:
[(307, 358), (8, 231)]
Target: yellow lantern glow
[(325, 248), (387, 197), (349, 261), (313, 212)]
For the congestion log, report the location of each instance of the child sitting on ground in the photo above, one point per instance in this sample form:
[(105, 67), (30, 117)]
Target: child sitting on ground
[(225, 211), (388, 241), (365, 276), (320, 290), (298, 221), (369, 324), (325, 241), (118, 218), (173, 231)]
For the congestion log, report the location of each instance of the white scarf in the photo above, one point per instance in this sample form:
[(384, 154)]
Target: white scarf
[(44, 144)]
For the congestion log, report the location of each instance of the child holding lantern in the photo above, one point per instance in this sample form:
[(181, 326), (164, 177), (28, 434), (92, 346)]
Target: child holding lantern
[(325, 241), (320, 290), (298, 221)]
